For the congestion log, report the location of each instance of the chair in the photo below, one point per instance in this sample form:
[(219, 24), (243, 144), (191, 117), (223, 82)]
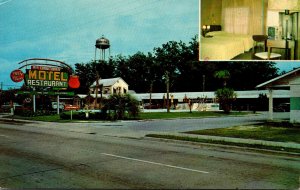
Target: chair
[(262, 40)]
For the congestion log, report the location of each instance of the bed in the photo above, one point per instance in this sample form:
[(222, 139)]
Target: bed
[(221, 45), (220, 48)]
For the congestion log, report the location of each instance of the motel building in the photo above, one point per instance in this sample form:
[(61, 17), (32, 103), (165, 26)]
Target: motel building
[(102, 88), (202, 101), (291, 82), (283, 89), (205, 101)]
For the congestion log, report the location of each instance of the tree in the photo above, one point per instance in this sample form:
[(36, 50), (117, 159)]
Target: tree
[(8, 95), (223, 75), (247, 75), (122, 104), (88, 73), (145, 68), (170, 56), (225, 96), (185, 73)]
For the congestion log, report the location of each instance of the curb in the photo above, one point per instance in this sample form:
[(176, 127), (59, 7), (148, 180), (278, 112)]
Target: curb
[(225, 146)]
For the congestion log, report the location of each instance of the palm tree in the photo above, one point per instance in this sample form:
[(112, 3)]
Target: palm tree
[(224, 75), (225, 96)]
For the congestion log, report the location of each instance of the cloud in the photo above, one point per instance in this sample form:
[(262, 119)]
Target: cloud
[(4, 2)]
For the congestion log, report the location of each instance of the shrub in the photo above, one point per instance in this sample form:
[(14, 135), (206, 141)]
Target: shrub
[(225, 96), (121, 107), (81, 115)]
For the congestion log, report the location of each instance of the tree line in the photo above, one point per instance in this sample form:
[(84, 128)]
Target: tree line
[(179, 62)]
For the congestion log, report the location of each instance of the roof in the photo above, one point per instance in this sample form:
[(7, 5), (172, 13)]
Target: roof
[(280, 81), (99, 95), (81, 96), (108, 82), (211, 95)]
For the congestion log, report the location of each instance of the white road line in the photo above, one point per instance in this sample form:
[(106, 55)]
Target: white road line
[(156, 163)]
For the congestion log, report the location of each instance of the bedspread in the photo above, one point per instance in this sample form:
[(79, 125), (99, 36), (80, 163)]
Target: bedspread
[(220, 48)]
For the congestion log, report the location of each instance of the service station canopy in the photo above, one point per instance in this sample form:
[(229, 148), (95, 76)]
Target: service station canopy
[(42, 72)]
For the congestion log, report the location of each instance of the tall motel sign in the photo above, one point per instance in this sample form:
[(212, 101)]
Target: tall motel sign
[(39, 73)]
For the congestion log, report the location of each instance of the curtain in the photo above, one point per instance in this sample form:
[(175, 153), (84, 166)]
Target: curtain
[(243, 16)]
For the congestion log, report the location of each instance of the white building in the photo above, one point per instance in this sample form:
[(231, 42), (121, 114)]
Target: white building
[(290, 81), (109, 86)]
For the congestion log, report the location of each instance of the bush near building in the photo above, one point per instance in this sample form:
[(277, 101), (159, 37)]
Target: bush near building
[(122, 107), (115, 107)]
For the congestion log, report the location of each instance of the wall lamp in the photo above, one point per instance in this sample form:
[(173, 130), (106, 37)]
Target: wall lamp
[(205, 29)]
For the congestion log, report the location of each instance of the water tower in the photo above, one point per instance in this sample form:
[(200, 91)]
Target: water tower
[(102, 44)]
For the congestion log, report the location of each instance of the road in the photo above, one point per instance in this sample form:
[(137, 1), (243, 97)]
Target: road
[(35, 155)]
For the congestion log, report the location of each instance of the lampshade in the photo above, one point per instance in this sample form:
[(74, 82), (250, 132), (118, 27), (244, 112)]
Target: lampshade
[(208, 27), (273, 18), (204, 27)]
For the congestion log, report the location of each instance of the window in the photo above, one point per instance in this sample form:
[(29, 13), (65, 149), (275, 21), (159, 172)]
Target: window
[(237, 20)]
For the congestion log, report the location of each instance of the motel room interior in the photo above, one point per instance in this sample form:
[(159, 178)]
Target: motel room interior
[(249, 30)]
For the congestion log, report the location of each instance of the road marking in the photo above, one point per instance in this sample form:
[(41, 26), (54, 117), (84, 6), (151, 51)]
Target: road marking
[(156, 163)]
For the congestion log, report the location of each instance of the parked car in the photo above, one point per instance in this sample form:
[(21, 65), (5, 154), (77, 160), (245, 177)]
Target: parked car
[(283, 107), (7, 106), (151, 106), (54, 105)]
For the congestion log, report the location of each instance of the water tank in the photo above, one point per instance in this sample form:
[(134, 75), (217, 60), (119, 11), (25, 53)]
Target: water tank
[(102, 43)]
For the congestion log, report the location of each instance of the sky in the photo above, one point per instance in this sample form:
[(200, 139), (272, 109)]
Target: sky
[(67, 30)]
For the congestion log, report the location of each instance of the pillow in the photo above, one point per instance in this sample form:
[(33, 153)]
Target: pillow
[(215, 33)]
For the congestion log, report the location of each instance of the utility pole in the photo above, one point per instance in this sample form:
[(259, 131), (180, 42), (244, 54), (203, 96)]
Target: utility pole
[(150, 98), (203, 83), (1, 86), (168, 88)]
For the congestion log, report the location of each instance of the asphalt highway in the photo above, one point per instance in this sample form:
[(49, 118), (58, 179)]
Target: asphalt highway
[(65, 156)]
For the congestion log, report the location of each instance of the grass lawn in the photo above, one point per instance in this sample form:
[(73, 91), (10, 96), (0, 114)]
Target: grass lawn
[(49, 118), (152, 115), (165, 115), (211, 141), (258, 132)]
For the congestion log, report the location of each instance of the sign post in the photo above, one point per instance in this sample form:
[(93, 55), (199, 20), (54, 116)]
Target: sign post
[(34, 103), (58, 105)]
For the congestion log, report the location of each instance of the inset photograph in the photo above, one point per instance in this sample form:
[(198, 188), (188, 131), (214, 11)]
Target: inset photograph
[(249, 30)]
